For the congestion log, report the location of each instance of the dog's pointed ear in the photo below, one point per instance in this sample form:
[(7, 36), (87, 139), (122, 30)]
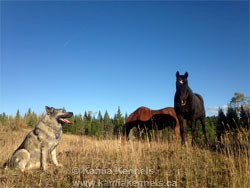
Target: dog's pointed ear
[(186, 74), (49, 110), (177, 74)]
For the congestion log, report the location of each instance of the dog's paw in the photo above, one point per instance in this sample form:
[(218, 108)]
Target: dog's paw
[(44, 169), (59, 165)]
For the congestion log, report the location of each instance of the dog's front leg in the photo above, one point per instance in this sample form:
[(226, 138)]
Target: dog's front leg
[(44, 155), (54, 159)]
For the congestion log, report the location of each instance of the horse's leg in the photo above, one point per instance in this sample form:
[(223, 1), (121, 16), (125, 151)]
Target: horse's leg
[(149, 134), (142, 131), (194, 131), (127, 130), (182, 129), (185, 125), (204, 128), (177, 131)]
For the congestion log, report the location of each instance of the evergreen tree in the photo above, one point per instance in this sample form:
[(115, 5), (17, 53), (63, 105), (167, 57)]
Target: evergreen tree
[(18, 116), (108, 126), (211, 125), (77, 125), (118, 122), (232, 118), (99, 130), (99, 116), (244, 117), (30, 118), (126, 116), (18, 120), (222, 125), (3, 119), (87, 123), (85, 116)]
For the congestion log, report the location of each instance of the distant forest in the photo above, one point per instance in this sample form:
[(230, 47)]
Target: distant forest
[(102, 126)]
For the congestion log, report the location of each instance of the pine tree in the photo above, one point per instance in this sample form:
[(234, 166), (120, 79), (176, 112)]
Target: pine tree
[(87, 124), (99, 126), (18, 116), (232, 118), (18, 120), (99, 116), (222, 125), (3, 119), (85, 116), (77, 127), (108, 126), (118, 122), (244, 118), (30, 118)]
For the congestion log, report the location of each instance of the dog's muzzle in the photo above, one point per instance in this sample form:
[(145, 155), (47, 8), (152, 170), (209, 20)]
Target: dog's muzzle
[(62, 118)]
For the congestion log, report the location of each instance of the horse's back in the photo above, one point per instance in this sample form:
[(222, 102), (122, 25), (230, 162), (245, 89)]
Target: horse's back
[(142, 114), (199, 97), (199, 104)]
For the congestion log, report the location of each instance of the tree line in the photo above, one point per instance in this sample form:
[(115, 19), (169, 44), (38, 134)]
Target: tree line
[(236, 117), (100, 126)]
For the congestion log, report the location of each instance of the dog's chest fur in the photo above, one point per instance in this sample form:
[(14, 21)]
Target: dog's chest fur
[(49, 131)]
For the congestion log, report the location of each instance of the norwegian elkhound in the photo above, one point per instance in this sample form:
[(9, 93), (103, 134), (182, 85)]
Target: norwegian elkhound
[(33, 152)]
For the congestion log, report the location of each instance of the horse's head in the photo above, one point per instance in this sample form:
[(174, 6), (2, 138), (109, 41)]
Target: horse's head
[(182, 87)]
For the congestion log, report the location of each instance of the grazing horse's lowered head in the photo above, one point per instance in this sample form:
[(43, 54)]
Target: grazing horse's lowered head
[(188, 106)]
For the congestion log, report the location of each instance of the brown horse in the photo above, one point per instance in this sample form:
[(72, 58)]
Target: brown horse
[(147, 119)]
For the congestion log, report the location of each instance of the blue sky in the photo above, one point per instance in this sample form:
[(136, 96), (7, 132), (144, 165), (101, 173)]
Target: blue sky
[(91, 56)]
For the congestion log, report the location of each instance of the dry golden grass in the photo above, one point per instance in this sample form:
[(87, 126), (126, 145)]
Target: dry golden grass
[(109, 163)]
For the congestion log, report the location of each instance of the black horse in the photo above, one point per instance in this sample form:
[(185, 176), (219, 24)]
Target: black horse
[(189, 106)]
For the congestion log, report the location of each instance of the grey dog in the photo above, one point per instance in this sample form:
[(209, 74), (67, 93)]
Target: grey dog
[(34, 150)]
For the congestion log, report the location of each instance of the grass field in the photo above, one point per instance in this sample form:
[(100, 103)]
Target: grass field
[(88, 162)]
